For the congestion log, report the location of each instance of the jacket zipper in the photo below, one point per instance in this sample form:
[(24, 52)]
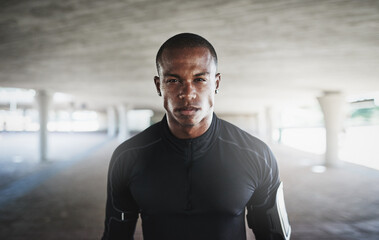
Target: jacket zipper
[(189, 177)]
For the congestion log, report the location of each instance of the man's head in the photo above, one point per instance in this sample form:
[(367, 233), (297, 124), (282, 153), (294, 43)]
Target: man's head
[(187, 65), (185, 40)]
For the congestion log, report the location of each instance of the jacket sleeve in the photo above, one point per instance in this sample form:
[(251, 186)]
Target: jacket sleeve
[(263, 198), (121, 208)]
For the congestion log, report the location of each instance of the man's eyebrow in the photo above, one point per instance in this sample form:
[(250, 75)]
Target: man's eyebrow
[(201, 74), (171, 75)]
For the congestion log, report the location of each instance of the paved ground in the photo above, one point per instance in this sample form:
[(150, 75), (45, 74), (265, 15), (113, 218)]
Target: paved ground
[(340, 203), (65, 199)]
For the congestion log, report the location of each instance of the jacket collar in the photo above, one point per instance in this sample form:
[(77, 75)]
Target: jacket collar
[(198, 145)]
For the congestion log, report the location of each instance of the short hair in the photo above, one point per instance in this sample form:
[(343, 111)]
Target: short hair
[(185, 40)]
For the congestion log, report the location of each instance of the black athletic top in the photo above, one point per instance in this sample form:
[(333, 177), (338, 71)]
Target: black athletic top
[(189, 188)]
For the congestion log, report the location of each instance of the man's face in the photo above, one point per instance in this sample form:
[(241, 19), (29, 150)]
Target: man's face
[(188, 80)]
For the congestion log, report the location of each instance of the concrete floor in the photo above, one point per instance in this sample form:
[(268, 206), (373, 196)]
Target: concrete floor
[(65, 198)]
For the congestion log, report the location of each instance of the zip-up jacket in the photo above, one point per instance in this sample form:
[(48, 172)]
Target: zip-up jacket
[(191, 189)]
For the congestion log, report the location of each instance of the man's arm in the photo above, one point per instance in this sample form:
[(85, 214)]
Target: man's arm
[(270, 221), (121, 208), (266, 212)]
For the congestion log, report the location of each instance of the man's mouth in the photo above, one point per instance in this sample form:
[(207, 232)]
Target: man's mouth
[(189, 110)]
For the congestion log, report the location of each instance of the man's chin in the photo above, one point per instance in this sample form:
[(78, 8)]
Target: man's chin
[(187, 120)]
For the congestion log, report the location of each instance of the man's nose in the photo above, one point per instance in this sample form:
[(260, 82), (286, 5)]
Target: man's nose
[(187, 91)]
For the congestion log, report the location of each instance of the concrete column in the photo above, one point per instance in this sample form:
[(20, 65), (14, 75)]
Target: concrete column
[(71, 113), (253, 124), (123, 131), (261, 124), (269, 124), (13, 104), (43, 110), (23, 119), (265, 124), (333, 108), (112, 123)]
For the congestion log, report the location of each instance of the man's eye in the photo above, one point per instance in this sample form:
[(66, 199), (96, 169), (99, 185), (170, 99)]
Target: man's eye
[(200, 80), (172, 80)]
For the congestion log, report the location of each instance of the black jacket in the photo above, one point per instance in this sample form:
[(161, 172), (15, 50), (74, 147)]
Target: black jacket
[(189, 189)]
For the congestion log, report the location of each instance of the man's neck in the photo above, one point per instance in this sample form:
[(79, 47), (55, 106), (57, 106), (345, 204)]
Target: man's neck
[(191, 131)]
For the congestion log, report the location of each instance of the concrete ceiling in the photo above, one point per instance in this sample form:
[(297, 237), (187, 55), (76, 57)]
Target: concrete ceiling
[(103, 52)]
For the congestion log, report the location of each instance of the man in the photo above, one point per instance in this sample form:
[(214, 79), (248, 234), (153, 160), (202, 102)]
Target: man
[(192, 175)]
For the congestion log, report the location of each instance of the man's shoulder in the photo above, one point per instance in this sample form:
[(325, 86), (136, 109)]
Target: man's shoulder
[(147, 137), (243, 141), (235, 135)]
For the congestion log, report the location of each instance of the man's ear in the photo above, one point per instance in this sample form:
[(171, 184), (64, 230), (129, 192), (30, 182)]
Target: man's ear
[(218, 80), (157, 83)]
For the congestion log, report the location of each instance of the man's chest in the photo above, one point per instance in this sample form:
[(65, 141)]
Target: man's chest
[(214, 183)]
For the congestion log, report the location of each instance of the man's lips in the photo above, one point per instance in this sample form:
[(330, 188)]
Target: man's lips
[(187, 110)]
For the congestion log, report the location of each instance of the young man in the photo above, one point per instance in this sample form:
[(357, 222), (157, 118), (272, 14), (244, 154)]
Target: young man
[(192, 175)]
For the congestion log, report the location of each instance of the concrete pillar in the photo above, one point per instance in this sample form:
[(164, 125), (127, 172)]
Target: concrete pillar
[(253, 124), (123, 131), (261, 124), (13, 104), (269, 124), (265, 124), (112, 123), (71, 115), (333, 108), (23, 119), (43, 110)]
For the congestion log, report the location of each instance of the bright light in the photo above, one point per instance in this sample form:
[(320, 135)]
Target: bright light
[(78, 121), (360, 146), (318, 169), (84, 115), (17, 120), (64, 126), (376, 100), (358, 140), (18, 95), (305, 139), (138, 120), (301, 117), (62, 97)]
